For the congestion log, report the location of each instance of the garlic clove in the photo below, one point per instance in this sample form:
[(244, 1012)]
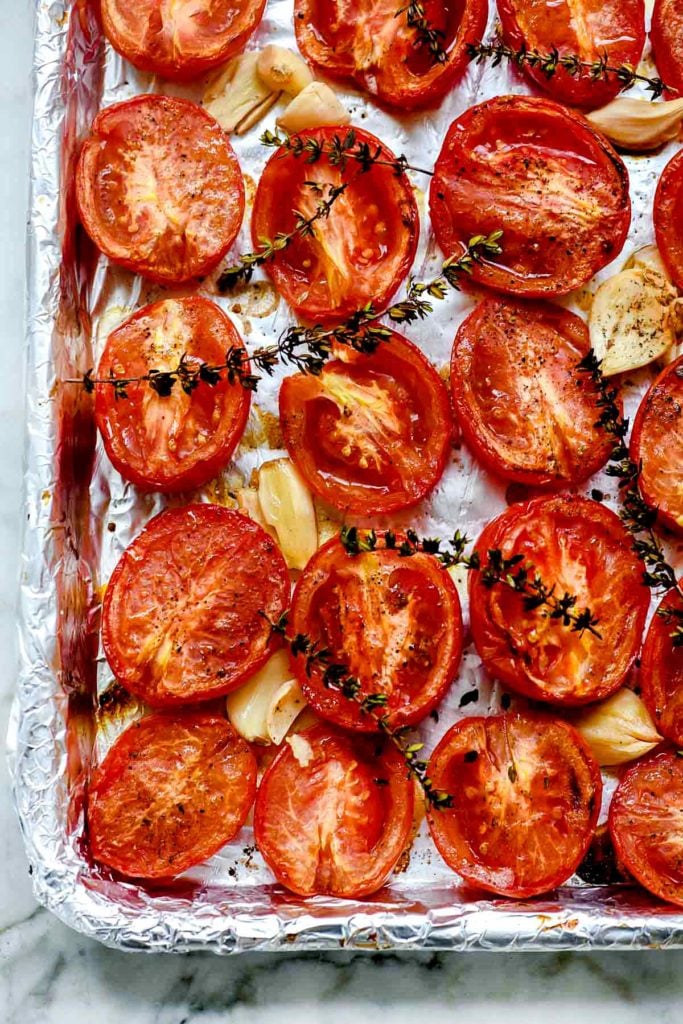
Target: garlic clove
[(639, 125), (247, 502), (266, 706), (281, 70), (648, 257), (618, 729), (316, 106), (237, 97), (287, 508)]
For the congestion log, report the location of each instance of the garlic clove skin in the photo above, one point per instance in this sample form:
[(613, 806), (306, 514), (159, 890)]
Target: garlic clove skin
[(267, 705), (638, 125), (316, 106), (282, 70), (237, 97), (648, 257), (619, 729), (287, 508)]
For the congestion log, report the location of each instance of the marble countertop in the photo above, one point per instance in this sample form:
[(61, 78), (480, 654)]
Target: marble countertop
[(50, 975)]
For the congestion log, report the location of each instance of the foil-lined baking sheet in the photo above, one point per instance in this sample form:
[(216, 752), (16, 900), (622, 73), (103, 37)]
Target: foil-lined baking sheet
[(80, 516)]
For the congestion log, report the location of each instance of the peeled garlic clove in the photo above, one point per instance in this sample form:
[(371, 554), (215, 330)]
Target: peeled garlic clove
[(287, 507), (238, 97), (315, 107), (619, 729), (247, 501), (631, 319), (281, 70), (263, 710), (638, 125)]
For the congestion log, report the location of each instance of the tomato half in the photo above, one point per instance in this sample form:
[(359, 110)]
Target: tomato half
[(526, 798), (371, 433), (543, 176), (645, 823), (578, 547), (183, 39), (369, 44), (668, 215), (159, 189), (525, 410), (360, 252), (666, 36), (591, 29), (661, 672), (183, 614), (657, 445), (333, 813), (171, 791), (394, 621), (180, 441)]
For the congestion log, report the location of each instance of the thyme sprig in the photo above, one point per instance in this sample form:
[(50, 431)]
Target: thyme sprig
[(600, 70), (425, 36), (495, 569), (337, 676), (337, 151)]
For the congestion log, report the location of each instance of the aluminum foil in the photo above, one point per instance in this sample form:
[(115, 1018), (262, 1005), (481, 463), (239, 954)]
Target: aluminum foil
[(80, 516)]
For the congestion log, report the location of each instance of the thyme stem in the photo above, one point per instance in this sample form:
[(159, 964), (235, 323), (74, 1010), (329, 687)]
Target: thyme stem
[(338, 151), (425, 35)]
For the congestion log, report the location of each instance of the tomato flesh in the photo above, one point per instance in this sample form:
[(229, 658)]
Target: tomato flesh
[(668, 211), (661, 671), (667, 42), (657, 446)]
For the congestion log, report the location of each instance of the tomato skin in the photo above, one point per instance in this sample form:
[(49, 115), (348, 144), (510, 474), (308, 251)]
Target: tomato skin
[(513, 163), (195, 171), (373, 229), (580, 547), (382, 453), (349, 851), (508, 356), (182, 441), (668, 210), (644, 822), (543, 24), (666, 36), (414, 653), (183, 613), (656, 445), (397, 74), (153, 44), (172, 790), (517, 829), (661, 672)]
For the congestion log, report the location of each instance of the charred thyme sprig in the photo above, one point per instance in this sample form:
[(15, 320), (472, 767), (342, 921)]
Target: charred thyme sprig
[(425, 35), (337, 676), (600, 70), (338, 151)]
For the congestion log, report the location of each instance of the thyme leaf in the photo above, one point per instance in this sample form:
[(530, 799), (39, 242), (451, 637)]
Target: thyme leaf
[(337, 151), (425, 35)]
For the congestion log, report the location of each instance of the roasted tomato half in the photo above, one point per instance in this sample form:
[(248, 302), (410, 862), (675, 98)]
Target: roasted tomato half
[(657, 445), (181, 440), (159, 189), (524, 408), (171, 791), (645, 822), (180, 39), (360, 252), (668, 217), (667, 42), (580, 548), (526, 797), (369, 44), (543, 176), (591, 29), (334, 813), (394, 621), (661, 669), (184, 612), (371, 433)]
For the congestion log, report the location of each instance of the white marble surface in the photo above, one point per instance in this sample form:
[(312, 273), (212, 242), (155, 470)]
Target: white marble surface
[(49, 975)]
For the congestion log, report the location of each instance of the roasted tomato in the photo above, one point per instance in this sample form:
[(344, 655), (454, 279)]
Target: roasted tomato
[(371, 433), (394, 621), (543, 176), (360, 252), (180, 441), (333, 813), (591, 29), (171, 791), (668, 217), (525, 410), (370, 45), (645, 823), (667, 42), (657, 445), (526, 798), (183, 615), (661, 670), (159, 189), (182, 39), (577, 547)]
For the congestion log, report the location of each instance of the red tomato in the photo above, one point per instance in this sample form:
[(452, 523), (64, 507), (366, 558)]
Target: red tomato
[(360, 252), (645, 824), (666, 36), (183, 614), (668, 215), (657, 445), (370, 45), (543, 176), (171, 791), (580, 548), (394, 621), (526, 802), (333, 813), (183, 39), (159, 189), (591, 29), (371, 433), (183, 440), (661, 672), (525, 410)]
